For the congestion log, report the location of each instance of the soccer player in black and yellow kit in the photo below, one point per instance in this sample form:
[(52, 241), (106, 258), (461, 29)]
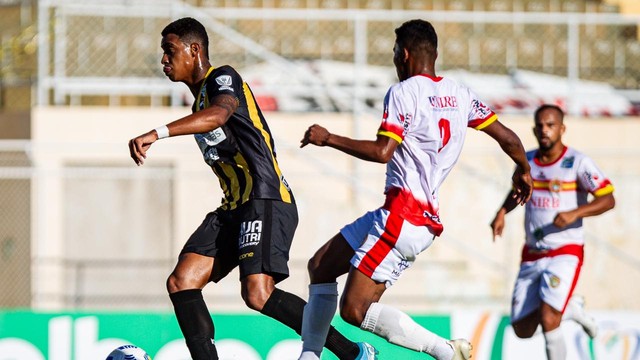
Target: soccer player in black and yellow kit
[(254, 226)]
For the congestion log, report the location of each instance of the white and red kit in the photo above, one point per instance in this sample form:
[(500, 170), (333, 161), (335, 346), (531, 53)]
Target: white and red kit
[(552, 257), (429, 118)]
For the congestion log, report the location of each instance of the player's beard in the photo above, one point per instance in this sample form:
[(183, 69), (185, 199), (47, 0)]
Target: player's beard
[(546, 146)]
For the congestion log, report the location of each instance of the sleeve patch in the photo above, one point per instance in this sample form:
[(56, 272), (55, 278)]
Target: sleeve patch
[(225, 82)]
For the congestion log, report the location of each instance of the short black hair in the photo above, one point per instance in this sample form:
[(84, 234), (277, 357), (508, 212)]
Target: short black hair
[(418, 36), (543, 107), (189, 30)]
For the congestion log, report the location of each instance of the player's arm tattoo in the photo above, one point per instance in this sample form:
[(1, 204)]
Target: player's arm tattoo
[(227, 102)]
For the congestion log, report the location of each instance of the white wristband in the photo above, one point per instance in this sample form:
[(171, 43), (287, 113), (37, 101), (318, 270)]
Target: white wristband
[(163, 132)]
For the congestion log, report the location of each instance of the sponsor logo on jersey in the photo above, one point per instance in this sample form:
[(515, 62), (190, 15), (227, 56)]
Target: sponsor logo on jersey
[(443, 102), (432, 217), (543, 202), (213, 137), (402, 265), (555, 186), (246, 255), (206, 143), (567, 163), (225, 82), (250, 233), (591, 179), (405, 120), (211, 155), (480, 109)]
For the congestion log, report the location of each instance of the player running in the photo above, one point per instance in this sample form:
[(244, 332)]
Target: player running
[(254, 226), (554, 246), (423, 128)]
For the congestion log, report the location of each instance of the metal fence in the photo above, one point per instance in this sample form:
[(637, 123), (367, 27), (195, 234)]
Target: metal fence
[(109, 53), (18, 49), (81, 52)]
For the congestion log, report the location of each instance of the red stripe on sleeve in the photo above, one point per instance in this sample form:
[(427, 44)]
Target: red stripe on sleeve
[(393, 128)]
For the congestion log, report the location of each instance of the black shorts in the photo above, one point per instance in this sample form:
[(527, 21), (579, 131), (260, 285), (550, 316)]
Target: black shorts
[(256, 236)]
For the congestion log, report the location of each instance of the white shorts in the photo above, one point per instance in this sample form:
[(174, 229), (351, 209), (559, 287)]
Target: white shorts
[(548, 279), (385, 244)]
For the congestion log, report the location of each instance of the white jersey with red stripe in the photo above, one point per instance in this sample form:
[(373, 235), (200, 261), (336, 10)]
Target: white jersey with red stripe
[(560, 186), (428, 116)]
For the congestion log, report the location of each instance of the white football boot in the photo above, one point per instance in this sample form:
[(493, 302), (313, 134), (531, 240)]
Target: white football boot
[(461, 349)]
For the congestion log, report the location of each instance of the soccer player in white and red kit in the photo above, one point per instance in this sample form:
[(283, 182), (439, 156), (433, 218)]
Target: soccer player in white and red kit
[(420, 139), (553, 251)]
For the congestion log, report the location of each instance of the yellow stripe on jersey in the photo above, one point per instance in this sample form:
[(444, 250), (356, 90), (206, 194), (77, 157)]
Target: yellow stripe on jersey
[(488, 122), (255, 118), (234, 184), (604, 191), (242, 164), (224, 187), (391, 135), (540, 184), (563, 186)]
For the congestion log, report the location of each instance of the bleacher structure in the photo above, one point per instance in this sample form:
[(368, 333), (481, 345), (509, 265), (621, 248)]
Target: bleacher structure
[(108, 54)]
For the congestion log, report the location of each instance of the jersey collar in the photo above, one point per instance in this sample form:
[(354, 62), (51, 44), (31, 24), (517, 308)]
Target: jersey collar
[(537, 161), (434, 78)]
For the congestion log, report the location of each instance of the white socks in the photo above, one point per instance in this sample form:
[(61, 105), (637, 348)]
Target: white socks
[(316, 320), (573, 311), (398, 328), (556, 347)]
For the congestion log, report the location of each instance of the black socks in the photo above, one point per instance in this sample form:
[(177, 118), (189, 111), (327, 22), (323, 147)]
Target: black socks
[(196, 324), (288, 308), (198, 330)]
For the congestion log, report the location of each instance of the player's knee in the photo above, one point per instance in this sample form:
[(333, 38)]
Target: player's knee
[(255, 300), (524, 330), (312, 268), (172, 285), (523, 333), (550, 320), (177, 282), (352, 315), (319, 274), (255, 292)]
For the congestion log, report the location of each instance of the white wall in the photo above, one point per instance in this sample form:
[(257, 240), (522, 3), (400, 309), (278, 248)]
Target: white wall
[(463, 267)]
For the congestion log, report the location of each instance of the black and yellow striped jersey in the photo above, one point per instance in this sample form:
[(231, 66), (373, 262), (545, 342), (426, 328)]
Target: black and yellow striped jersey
[(242, 152)]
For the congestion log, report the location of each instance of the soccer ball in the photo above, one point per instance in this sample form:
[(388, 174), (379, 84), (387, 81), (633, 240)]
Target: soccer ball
[(128, 352)]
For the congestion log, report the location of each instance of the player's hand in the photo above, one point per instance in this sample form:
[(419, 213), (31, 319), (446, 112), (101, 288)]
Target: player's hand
[(522, 185), (138, 146), (497, 225), (316, 135), (564, 219)]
